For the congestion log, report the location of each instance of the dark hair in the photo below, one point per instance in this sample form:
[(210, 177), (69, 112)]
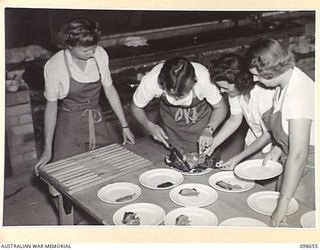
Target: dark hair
[(177, 76), (269, 58), (231, 68), (78, 32)]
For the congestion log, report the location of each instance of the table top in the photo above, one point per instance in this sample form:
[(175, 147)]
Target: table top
[(228, 205)]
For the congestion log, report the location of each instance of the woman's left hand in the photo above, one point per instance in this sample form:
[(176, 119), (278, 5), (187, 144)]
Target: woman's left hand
[(205, 141), (278, 216), (128, 137)]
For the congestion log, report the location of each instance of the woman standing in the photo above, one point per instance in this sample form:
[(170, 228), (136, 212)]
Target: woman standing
[(191, 107), (73, 79), (289, 120), (246, 99)]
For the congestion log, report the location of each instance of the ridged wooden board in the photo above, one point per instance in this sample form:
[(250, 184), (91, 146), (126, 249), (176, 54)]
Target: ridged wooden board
[(92, 168)]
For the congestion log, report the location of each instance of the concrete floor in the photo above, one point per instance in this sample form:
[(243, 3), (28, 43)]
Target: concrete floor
[(27, 202)]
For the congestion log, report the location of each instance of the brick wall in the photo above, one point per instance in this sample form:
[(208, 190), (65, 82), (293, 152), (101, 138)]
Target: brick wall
[(20, 132)]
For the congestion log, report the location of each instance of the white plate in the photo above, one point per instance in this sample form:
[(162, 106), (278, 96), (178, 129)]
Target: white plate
[(242, 222), (205, 171), (150, 214), (253, 170), (308, 220), (229, 177), (265, 202), (207, 195), (111, 192), (153, 178), (197, 216)]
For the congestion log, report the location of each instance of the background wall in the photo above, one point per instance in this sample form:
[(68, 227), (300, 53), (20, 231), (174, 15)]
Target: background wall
[(38, 26)]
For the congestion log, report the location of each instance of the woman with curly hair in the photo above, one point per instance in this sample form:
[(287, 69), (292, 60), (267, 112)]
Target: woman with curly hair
[(289, 120), (246, 99), (73, 80)]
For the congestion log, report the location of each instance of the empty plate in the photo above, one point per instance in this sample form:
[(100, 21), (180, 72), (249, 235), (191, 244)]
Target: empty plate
[(253, 170), (193, 194), (226, 181), (242, 222), (191, 216), (265, 202), (148, 214), (120, 192), (308, 220), (161, 178)]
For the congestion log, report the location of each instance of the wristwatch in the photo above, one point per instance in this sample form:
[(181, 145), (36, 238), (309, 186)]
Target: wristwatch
[(210, 128)]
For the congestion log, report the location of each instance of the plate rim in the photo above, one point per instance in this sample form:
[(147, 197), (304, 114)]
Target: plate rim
[(161, 169), (242, 217), (192, 208), (208, 170), (215, 194), (302, 218), (118, 183), (139, 204), (240, 165), (253, 195), (230, 191)]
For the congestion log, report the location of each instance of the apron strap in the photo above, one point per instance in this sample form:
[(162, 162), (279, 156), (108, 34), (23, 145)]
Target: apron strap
[(94, 117)]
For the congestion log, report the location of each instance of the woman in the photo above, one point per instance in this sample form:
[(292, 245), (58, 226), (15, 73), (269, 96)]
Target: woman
[(187, 98), (289, 120), (245, 99), (73, 79)]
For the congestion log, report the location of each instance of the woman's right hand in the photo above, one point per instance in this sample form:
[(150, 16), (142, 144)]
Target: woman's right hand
[(230, 164), (44, 159), (274, 155), (158, 133)]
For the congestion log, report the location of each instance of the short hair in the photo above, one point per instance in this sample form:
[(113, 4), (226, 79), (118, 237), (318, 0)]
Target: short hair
[(269, 58), (78, 32), (177, 76), (231, 68)]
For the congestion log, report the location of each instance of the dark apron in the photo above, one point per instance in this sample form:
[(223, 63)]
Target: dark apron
[(79, 127), (184, 125), (305, 191)]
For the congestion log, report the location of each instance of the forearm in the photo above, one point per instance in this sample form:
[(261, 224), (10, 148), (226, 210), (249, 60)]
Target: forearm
[(294, 168), (50, 119), (258, 144), (228, 128), (140, 115), (114, 100), (218, 114)]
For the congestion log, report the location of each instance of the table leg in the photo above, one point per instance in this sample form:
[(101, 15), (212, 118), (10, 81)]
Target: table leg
[(65, 211)]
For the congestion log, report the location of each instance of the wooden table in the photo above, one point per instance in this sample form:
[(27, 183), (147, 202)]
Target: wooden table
[(228, 205)]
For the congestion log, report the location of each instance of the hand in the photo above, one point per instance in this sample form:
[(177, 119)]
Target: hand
[(128, 137), (230, 164), (278, 216), (205, 141), (158, 134), (44, 159), (273, 155)]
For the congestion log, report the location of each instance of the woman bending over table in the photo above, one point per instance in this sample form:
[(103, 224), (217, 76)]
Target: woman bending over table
[(191, 107), (246, 99)]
